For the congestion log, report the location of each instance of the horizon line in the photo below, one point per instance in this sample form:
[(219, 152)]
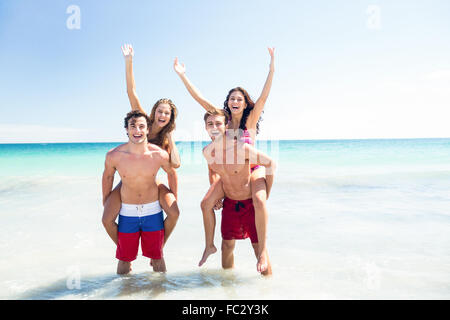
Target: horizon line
[(305, 140)]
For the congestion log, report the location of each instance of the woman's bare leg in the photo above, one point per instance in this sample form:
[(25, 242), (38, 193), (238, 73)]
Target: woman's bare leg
[(214, 194), (110, 212), (268, 271), (259, 197), (169, 204)]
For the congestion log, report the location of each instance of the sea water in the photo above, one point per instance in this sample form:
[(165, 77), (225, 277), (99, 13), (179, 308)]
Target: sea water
[(348, 219)]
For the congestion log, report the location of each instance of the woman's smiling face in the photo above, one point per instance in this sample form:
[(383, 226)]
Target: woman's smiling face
[(236, 102), (162, 114)]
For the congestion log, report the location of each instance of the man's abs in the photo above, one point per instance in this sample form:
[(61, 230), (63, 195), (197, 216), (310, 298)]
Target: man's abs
[(235, 190), (139, 194)]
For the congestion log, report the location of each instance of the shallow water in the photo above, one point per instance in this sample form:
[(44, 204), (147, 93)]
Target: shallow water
[(361, 219)]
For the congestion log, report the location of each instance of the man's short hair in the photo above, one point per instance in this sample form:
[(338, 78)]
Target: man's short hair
[(136, 114), (217, 112)]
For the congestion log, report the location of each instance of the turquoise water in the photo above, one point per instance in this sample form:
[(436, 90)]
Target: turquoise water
[(339, 153), (348, 219)]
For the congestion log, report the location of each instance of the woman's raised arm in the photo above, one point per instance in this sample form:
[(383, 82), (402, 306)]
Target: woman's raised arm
[(259, 104), (128, 54), (180, 69)]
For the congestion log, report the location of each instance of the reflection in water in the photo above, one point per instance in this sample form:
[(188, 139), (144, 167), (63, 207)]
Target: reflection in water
[(149, 285)]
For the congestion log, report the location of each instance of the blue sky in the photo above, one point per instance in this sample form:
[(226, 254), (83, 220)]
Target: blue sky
[(343, 70)]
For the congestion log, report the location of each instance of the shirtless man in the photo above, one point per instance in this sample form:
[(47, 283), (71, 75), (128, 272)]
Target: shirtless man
[(231, 158), (140, 216)]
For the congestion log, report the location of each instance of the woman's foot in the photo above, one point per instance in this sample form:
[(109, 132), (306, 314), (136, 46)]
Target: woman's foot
[(263, 265), (208, 251)]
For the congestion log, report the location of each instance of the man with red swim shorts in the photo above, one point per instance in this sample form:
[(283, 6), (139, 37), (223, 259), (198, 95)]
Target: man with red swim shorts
[(230, 159), (140, 217)]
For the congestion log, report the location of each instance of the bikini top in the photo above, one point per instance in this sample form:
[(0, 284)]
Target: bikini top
[(246, 137)]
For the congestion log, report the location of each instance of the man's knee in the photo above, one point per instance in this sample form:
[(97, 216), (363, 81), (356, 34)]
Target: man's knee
[(228, 245)]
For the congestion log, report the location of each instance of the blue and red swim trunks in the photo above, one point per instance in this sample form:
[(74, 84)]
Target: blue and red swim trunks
[(144, 222)]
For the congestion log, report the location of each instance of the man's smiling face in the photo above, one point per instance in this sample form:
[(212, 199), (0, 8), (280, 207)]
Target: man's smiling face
[(215, 125), (137, 130)]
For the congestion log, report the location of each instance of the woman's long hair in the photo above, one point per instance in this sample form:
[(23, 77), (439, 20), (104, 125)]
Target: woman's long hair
[(162, 137), (247, 110)]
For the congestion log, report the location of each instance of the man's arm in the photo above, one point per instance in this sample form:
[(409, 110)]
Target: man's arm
[(213, 176), (108, 176), (172, 176), (174, 155), (260, 158)]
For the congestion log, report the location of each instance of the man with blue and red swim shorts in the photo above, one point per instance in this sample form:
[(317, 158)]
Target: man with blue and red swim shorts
[(140, 217)]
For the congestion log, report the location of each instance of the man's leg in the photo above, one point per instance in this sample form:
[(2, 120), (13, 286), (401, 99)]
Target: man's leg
[(259, 197), (169, 205), (127, 244), (214, 194), (227, 253), (123, 267), (159, 265), (111, 211)]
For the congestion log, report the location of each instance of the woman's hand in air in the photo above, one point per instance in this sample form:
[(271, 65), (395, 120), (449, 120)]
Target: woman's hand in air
[(127, 51), (179, 68), (272, 57)]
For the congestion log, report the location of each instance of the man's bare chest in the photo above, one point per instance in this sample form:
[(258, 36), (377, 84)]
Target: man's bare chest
[(138, 166), (231, 169)]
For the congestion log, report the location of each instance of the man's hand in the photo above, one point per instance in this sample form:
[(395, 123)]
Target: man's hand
[(218, 205)]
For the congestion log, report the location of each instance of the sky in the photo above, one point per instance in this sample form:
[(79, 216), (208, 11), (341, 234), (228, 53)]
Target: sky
[(350, 69)]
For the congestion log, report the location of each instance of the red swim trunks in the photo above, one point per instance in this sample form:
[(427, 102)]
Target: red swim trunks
[(238, 220)]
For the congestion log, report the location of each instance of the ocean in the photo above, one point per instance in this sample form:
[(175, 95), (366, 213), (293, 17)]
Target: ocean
[(348, 219)]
